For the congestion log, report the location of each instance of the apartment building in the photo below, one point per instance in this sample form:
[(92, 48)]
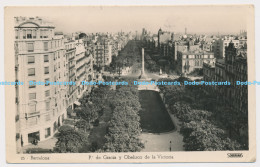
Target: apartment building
[(39, 56), (70, 46), (232, 68), (220, 45), (188, 62), (80, 66)]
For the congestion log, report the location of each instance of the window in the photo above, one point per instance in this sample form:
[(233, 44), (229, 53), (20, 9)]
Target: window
[(24, 34), (46, 70), (47, 82), (47, 93), (45, 34), (32, 86), (46, 58), (45, 44), (47, 117), (31, 72), (47, 104), (47, 132), (32, 121), (29, 34), (32, 96), (34, 34), (32, 108), (30, 47), (16, 34), (31, 59), (41, 33)]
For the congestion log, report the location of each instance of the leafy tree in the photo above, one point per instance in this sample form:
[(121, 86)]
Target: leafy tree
[(124, 126), (123, 132), (88, 113), (69, 140), (204, 136), (82, 124)]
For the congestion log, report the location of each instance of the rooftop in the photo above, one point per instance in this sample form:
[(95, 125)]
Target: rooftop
[(197, 53), (32, 22), (210, 65)]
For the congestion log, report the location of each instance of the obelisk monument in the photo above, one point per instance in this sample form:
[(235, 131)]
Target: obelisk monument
[(142, 73), (142, 76)]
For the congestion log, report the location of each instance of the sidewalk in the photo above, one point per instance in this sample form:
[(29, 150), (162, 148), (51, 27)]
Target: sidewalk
[(43, 146)]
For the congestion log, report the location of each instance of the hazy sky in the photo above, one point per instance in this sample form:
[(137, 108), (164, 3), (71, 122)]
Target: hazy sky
[(197, 19)]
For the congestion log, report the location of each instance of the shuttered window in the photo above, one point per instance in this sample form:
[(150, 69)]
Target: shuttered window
[(31, 72), (31, 59), (32, 96)]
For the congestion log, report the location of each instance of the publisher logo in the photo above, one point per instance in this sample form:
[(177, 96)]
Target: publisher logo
[(235, 155)]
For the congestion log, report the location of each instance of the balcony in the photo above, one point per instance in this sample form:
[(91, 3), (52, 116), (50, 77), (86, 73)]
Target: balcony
[(82, 66), (80, 59), (33, 114), (71, 67), (70, 50), (70, 59)]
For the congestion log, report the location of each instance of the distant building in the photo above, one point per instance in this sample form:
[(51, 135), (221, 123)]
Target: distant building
[(209, 71), (219, 46), (164, 37), (187, 62), (103, 52)]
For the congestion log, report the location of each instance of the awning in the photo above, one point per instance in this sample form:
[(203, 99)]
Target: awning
[(77, 103)]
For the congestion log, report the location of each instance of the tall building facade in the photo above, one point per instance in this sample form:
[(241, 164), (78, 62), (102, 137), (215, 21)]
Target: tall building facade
[(39, 56), (220, 45), (103, 52), (70, 46), (80, 66), (233, 68), (188, 62)]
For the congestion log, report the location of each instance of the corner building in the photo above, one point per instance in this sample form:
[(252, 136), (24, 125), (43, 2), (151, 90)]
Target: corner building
[(39, 56)]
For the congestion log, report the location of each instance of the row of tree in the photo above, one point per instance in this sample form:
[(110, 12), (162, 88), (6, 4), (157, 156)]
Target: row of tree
[(201, 120), (124, 128), (125, 58), (72, 138)]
